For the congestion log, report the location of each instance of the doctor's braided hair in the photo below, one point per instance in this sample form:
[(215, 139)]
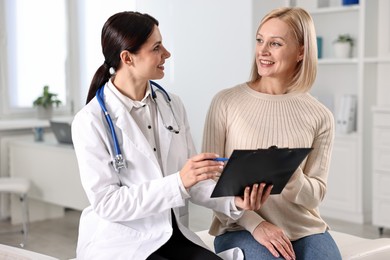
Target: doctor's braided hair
[(122, 31)]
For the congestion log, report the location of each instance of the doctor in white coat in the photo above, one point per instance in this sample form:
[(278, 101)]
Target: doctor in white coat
[(138, 206)]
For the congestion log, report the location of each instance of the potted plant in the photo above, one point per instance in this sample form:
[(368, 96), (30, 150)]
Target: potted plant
[(44, 103), (342, 46)]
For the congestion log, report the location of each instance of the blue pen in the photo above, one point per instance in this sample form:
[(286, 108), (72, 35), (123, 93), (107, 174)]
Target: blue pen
[(221, 159)]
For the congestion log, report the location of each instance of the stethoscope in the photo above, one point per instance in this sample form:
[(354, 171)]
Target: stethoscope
[(119, 162)]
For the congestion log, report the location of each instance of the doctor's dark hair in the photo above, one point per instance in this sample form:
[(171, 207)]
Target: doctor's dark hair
[(122, 31)]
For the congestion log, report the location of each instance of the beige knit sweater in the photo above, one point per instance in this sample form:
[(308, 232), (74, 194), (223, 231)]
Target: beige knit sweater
[(242, 118)]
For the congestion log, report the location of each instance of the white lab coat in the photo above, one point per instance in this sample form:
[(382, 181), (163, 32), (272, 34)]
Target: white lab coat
[(130, 212)]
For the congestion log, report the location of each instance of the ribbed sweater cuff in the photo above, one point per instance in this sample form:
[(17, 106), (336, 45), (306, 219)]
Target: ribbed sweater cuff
[(250, 220)]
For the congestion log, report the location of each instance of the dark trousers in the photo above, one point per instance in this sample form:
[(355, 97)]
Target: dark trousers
[(179, 247)]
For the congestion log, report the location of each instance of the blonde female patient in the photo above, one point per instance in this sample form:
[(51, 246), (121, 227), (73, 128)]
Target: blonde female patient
[(275, 108)]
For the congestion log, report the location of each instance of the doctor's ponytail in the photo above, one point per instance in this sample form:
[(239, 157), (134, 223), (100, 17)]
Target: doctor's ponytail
[(122, 31)]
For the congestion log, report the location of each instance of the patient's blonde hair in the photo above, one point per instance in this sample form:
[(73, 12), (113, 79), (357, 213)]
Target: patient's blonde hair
[(303, 30)]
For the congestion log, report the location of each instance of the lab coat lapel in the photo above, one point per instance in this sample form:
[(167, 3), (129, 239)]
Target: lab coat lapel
[(164, 133), (125, 122)]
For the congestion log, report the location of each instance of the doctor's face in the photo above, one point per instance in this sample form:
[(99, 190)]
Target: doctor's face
[(149, 61)]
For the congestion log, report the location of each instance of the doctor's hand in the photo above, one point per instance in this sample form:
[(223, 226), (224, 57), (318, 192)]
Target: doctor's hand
[(253, 198), (199, 168), (274, 239)]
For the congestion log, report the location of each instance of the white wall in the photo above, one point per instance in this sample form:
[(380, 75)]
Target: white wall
[(211, 46)]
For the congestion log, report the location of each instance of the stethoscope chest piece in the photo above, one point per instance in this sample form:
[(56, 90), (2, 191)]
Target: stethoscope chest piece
[(119, 163)]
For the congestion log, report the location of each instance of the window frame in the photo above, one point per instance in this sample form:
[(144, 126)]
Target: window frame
[(76, 72), (71, 66)]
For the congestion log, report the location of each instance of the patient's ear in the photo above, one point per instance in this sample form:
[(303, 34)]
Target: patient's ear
[(301, 54)]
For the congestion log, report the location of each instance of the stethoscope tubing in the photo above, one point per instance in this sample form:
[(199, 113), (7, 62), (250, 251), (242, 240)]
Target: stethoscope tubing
[(100, 97), (152, 83), (119, 162)]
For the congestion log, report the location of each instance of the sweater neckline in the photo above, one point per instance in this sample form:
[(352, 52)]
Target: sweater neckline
[(265, 96)]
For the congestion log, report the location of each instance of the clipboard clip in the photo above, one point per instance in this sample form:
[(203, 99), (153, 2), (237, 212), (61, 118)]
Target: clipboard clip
[(274, 147)]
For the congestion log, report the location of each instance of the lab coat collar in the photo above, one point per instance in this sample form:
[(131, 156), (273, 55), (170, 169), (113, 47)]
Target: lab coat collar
[(128, 102)]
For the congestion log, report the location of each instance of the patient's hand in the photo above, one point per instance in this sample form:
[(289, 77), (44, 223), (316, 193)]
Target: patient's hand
[(253, 199), (274, 239)]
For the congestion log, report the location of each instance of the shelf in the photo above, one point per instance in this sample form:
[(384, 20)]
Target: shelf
[(335, 9), (333, 61), (346, 137), (381, 109), (376, 60), (16, 124)]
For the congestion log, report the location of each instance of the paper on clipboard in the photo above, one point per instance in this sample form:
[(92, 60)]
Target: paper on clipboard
[(246, 167)]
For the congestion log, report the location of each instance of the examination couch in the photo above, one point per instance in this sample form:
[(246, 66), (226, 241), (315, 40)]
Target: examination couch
[(351, 247)]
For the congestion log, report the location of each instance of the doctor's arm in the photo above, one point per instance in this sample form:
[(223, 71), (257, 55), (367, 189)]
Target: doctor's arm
[(199, 168), (139, 189)]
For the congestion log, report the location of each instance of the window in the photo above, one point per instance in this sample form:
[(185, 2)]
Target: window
[(95, 14), (50, 42), (36, 33)]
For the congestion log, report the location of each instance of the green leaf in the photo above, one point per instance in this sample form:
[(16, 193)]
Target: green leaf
[(47, 98)]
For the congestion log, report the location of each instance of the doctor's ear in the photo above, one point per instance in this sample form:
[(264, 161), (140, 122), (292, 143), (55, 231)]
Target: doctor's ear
[(126, 57)]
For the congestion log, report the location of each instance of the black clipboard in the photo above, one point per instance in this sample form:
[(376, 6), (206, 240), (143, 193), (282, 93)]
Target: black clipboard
[(246, 167)]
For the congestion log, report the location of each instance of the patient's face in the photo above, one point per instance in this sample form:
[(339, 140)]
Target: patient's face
[(277, 51)]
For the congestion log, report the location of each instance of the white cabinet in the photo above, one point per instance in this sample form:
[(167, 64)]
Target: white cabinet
[(380, 64), (13, 128), (343, 193), (53, 171), (381, 168), (349, 184)]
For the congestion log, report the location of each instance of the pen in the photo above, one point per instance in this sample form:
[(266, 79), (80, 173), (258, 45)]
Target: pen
[(221, 159)]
